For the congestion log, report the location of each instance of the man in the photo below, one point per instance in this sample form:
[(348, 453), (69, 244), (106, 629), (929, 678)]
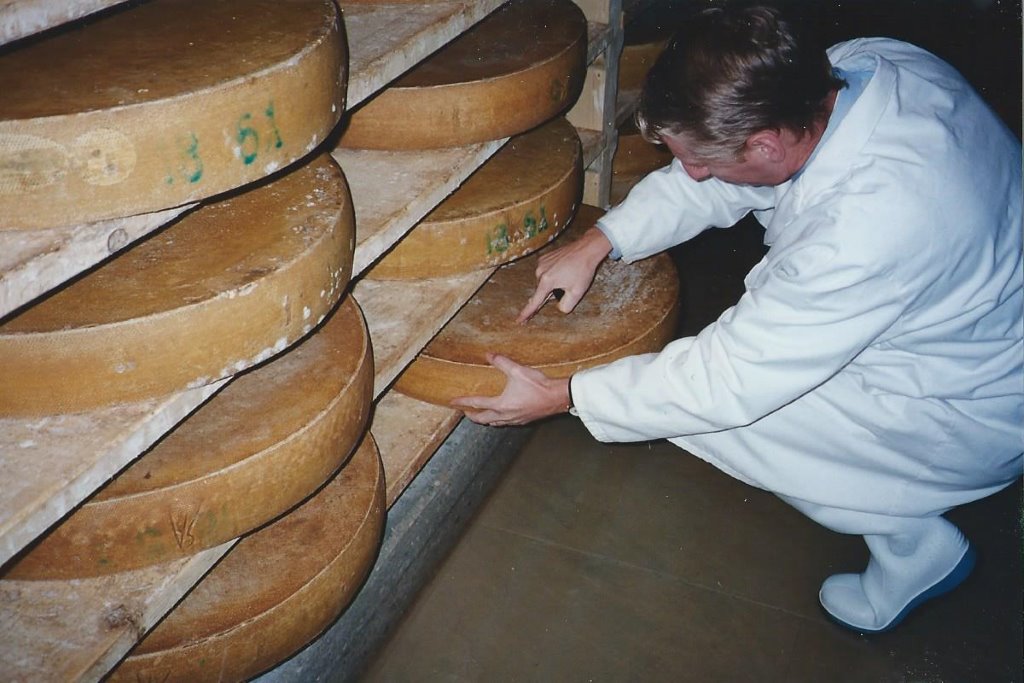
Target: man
[(871, 374)]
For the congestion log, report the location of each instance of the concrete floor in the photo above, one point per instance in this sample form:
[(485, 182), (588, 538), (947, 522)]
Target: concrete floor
[(596, 562)]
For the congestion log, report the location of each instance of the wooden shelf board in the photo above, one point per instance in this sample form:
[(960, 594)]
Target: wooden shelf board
[(22, 18), (408, 432), (34, 262), (50, 464), (392, 191), (384, 41), (404, 316), (78, 630)]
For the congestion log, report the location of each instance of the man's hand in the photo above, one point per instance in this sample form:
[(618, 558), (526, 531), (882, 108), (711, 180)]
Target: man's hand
[(571, 269), (529, 395)]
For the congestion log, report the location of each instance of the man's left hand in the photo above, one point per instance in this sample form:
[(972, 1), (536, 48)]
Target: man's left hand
[(529, 395)]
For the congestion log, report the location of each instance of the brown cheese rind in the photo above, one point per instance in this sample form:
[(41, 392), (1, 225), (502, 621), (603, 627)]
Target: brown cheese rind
[(228, 286), (514, 204), (276, 590), (514, 70), (164, 104), (629, 309), (253, 451)]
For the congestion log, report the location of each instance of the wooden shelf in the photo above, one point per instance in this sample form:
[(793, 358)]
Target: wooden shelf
[(392, 191), (384, 41), (79, 629), (23, 18)]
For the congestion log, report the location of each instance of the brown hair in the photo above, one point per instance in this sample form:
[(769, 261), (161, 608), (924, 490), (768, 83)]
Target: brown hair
[(729, 73)]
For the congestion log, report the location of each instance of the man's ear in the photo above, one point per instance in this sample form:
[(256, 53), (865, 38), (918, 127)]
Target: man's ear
[(767, 144)]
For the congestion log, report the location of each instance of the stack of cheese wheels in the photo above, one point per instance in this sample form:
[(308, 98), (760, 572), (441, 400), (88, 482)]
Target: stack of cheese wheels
[(162, 104), (276, 590), (226, 287), (517, 68), (514, 204), (256, 449), (630, 309)]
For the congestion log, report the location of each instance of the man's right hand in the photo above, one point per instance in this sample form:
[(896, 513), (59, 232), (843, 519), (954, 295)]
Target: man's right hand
[(571, 269)]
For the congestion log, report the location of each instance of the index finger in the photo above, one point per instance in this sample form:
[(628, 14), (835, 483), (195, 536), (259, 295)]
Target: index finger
[(539, 298)]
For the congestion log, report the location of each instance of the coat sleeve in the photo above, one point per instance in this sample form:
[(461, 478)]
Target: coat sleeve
[(668, 207), (805, 315)]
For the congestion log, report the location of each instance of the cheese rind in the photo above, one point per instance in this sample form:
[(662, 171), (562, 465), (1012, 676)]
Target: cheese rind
[(164, 104), (276, 590), (514, 204), (629, 309), (253, 451), (517, 68), (228, 286)]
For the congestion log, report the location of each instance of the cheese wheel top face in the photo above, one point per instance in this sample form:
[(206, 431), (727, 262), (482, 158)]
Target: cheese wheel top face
[(516, 36), (158, 50), (271, 565), (624, 302), (163, 103), (225, 287)]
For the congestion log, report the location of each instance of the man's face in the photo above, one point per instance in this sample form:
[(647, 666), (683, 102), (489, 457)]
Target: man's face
[(755, 168)]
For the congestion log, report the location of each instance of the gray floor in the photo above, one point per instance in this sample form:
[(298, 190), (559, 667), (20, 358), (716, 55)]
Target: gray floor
[(596, 562)]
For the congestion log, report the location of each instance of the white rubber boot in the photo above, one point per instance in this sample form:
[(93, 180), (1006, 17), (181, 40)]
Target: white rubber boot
[(930, 557)]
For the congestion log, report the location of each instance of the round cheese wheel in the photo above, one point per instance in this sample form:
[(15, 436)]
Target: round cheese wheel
[(276, 590), (634, 156), (228, 286), (514, 204), (163, 104), (630, 309), (517, 68), (254, 450), (646, 35)]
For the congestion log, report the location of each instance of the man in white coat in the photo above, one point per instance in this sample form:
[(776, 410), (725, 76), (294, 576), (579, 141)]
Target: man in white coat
[(871, 374)]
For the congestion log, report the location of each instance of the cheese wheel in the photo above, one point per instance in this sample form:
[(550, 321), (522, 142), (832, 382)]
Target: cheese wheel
[(630, 309), (228, 286), (634, 156), (517, 68), (646, 35), (514, 204), (276, 590), (163, 104), (254, 450), (635, 61)]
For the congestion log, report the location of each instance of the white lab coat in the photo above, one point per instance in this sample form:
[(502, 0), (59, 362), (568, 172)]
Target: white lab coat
[(874, 362)]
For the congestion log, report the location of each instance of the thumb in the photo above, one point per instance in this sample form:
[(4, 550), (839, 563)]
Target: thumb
[(506, 365)]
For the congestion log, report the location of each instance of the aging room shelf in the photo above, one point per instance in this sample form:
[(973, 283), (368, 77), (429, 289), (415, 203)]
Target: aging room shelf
[(79, 629)]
